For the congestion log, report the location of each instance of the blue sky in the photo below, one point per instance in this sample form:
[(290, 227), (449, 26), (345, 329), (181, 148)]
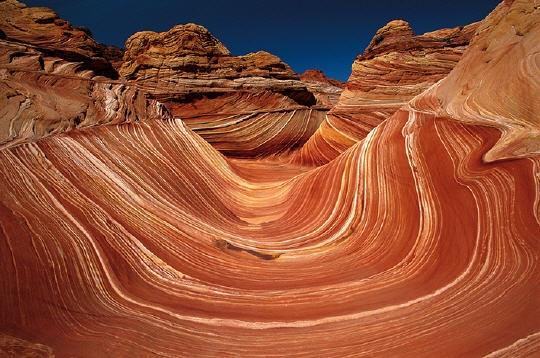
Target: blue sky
[(306, 34)]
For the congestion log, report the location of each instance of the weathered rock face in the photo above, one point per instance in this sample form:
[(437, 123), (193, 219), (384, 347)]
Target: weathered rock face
[(113, 54), (63, 65), (54, 37), (317, 76), (51, 79), (142, 239), (41, 27), (190, 51), (395, 67), (497, 83), (262, 105), (326, 90)]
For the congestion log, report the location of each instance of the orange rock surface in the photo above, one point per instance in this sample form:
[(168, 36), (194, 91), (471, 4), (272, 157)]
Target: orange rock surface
[(326, 90), (246, 106), (141, 238), (396, 66)]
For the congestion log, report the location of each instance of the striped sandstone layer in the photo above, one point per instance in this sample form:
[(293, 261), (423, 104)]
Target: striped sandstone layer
[(246, 106), (396, 66), (141, 239)]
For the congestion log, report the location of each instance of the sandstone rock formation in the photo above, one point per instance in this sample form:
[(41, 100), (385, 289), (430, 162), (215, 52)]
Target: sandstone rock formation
[(497, 83), (246, 106), (326, 90), (317, 76), (52, 79), (249, 125), (396, 66), (421, 240), (190, 51), (46, 32), (183, 68)]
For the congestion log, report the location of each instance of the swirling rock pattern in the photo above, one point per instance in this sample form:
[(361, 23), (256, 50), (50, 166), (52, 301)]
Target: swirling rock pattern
[(43, 95), (246, 106), (52, 79), (248, 125), (395, 67), (141, 239), (497, 84)]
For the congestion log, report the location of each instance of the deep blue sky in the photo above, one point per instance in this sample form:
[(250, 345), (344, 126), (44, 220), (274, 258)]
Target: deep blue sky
[(304, 33)]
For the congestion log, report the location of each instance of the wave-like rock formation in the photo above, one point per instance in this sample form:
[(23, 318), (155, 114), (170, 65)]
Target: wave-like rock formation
[(396, 66), (248, 125), (421, 240)]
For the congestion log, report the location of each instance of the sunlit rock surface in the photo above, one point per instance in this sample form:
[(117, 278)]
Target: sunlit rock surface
[(396, 66), (421, 240), (326, 90), (246, 106)]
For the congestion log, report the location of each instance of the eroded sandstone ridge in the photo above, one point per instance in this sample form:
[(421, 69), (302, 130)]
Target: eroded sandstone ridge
[(186, 69), (190, 51), (139, 238), (396, 66), (54, 77), (53, 37), (246, 106)]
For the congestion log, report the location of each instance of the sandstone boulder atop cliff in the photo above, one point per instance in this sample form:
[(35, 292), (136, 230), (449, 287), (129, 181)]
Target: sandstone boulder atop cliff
[(190, 51)]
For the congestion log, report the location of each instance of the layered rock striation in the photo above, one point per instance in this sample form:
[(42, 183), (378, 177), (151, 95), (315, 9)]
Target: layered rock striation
[(54, 78), (52, 36), (396, 66), (246, 106), (421, 240)]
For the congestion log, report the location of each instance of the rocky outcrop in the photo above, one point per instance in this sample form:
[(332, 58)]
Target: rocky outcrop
[(112, 54), (247, 106), (190, 51), (396, 66), (52, 79), (326, 90), (497, 82), (318, 76), (183, 68), (42, 29)]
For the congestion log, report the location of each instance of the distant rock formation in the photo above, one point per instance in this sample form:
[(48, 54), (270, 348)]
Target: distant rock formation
[(318, 76), (188, 60), (186, 69), (190, 51), (326, 90)]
